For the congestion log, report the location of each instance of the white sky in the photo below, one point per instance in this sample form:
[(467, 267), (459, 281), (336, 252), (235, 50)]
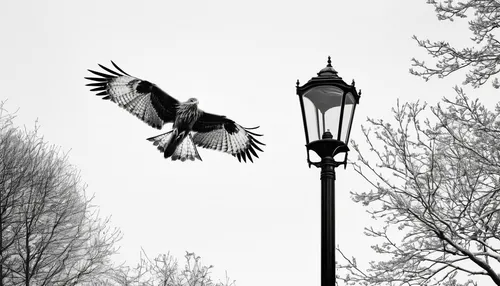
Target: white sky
[(261, 221)]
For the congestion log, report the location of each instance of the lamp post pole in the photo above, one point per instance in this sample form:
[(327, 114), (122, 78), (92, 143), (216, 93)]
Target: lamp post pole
[(328, 165), (327, 221), (326, 148)]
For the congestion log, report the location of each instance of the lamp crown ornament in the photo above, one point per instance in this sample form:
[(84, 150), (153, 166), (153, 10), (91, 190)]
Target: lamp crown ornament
[(328, 71)]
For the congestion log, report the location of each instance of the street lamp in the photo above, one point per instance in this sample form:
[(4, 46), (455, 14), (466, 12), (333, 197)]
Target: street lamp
[(327, 104)]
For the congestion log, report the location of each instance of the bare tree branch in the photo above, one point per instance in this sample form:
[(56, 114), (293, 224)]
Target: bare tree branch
[(482, 61)]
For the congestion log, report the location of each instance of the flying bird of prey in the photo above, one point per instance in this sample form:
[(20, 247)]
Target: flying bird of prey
[(191, 126)]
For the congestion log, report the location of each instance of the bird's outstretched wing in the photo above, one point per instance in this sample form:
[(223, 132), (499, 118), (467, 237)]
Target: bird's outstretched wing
[(223, 134), (141, 98)]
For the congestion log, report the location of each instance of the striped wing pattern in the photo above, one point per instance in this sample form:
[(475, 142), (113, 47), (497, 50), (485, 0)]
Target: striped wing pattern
[(138, 97), (123, 92), (240, 143)]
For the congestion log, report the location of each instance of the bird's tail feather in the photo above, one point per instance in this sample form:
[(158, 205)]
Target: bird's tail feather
[(167, 144), (186, 150), (173, 142)]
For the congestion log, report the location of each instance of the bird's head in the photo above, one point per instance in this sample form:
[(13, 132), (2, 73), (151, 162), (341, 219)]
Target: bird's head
[(192, 101)]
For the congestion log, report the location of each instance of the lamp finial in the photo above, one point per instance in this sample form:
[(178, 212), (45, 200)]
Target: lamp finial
[(328, 71)]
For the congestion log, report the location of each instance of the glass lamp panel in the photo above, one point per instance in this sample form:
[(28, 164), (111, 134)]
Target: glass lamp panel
[(314, 119), (332, 121), (350, 104), (322, 107)]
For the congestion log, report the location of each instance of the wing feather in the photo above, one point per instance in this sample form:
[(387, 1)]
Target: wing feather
[(255, 145), (95, 84), (96, 79), (108, 76), (118, 68), (223, 134), (141, 98), (109, 70), (98, 88)]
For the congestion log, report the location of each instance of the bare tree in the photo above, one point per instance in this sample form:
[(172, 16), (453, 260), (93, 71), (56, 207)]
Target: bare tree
[(164, 271), (50, 232), (436, 179), (436, 191), (482, 60)]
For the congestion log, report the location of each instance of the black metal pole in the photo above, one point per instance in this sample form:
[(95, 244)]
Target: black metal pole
[(327, 221)]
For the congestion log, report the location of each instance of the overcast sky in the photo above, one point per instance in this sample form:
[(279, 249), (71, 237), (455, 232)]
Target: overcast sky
[(259, 222)]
